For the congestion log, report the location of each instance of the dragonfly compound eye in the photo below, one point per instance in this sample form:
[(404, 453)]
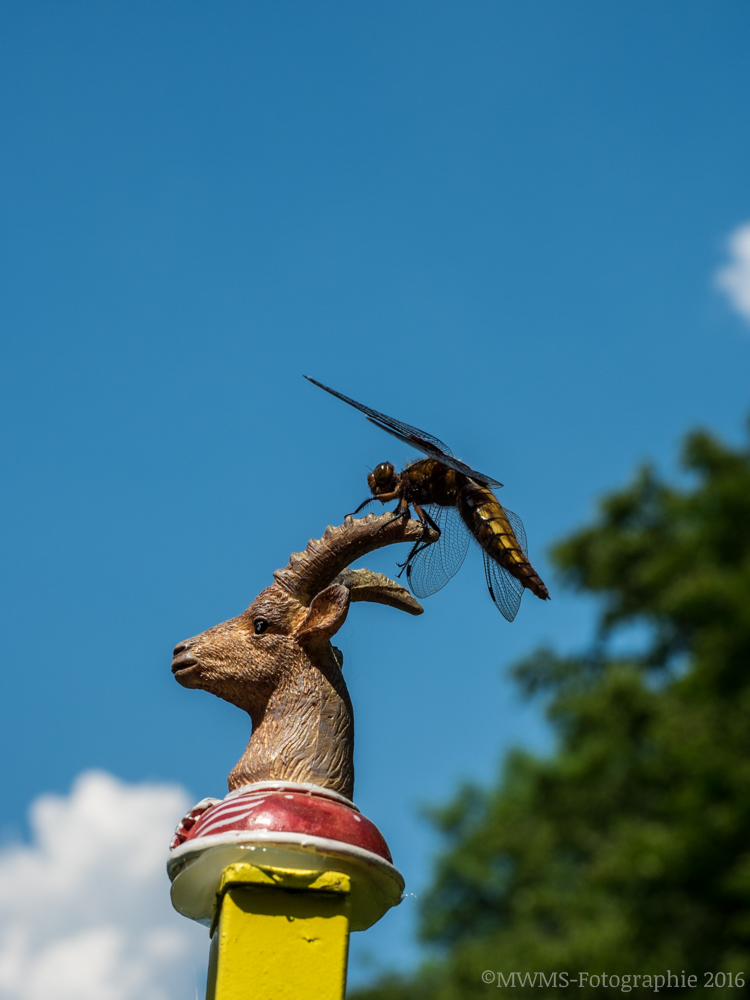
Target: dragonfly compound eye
[(383, 474)]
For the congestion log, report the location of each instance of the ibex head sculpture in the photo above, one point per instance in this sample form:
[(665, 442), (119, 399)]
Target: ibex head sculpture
[(276, 662)]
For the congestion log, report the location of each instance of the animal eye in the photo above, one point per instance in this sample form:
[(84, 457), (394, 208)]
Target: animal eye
[(260, 626), (383, 472)]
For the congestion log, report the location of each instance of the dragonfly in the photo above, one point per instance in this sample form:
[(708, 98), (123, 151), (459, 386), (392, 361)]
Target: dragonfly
[(457, 502)]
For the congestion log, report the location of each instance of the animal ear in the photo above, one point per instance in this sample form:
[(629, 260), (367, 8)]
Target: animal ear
[(327, 614)]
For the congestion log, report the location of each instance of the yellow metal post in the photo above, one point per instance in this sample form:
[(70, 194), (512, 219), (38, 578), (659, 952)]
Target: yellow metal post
[(279, 934)]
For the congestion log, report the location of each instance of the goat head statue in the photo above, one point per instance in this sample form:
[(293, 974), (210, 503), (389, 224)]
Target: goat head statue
[(276, 662)]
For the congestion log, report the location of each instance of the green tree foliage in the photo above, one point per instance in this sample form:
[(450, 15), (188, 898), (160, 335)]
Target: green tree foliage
[(628, 849)]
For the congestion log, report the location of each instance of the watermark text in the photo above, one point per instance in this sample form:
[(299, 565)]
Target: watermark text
[(625, 983)]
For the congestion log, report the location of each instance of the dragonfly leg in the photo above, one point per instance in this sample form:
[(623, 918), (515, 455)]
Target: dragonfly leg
[(364, 504), (387, 497), (420, 545), (383, 498), (424, 515), (399, 513)]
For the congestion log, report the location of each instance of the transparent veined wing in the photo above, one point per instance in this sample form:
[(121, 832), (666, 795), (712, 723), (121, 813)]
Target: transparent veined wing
[(504, 589), (433, 567), (518, 530), (425, 442), (412, 435)]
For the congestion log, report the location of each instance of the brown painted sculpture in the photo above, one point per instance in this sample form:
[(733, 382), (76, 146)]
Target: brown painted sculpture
[(276, 662)]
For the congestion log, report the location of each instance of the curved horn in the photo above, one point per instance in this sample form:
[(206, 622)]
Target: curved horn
[(309, 572), (365, 585)]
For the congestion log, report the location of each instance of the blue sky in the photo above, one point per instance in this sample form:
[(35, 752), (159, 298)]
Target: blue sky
[(501, 222)]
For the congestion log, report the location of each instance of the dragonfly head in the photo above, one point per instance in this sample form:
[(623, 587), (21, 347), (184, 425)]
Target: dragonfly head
[(383, 479)]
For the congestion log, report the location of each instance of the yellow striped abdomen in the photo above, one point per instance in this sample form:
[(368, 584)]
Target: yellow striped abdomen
[(489, 523)]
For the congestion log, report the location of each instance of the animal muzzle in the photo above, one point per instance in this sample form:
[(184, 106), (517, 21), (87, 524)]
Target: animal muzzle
[(185, 665)]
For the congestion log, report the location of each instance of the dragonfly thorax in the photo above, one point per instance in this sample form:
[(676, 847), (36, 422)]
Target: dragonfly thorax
[(428, 481)]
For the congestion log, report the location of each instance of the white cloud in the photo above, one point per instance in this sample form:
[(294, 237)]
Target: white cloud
[(84, 908), (734, 277)]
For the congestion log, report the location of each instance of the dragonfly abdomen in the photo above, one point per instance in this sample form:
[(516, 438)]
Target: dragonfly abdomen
[(488, 522)]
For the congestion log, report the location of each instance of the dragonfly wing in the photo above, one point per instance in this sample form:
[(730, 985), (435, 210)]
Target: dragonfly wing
[(478, 477), (442, 457), (405, 432), (425, 442), (518, 530), (504, 589), (419, 439), (422, 445), (433, 567)]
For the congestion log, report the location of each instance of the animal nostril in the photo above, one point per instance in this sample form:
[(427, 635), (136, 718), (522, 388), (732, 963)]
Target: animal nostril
[(181, 647)]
